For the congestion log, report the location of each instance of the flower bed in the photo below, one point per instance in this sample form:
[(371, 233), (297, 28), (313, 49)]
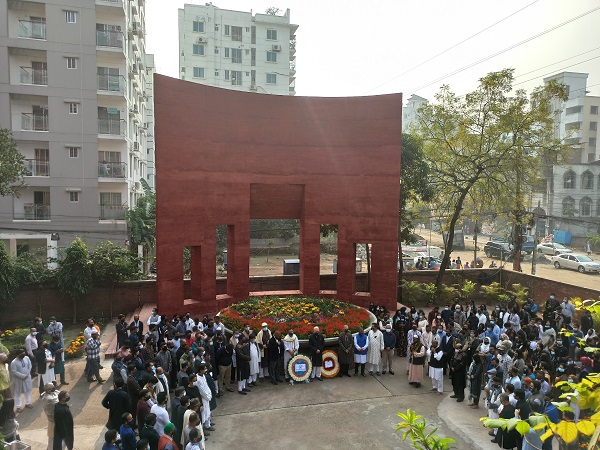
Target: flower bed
[(14, 339), (75, 348), (301, 314)]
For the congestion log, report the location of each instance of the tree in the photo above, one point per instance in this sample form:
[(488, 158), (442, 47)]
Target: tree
[(33, 272), (474, 145), (272, 10), (75, 278), (9, 278), (421, 435), (112, 264), (12, 167), (141, 222)]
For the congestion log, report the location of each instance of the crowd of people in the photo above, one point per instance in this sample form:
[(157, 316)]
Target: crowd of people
[(168, 374)]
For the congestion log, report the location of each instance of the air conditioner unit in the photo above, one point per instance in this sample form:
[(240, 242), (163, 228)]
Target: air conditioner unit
[(202, 40), (276, 48)]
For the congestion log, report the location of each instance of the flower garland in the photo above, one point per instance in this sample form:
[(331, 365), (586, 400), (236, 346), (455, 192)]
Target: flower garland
[(301, 314)]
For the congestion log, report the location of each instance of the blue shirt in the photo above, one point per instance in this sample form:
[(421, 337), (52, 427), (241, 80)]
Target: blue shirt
[(127, 438)]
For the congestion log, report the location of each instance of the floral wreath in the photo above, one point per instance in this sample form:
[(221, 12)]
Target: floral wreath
[(300, 367), (331, 365)]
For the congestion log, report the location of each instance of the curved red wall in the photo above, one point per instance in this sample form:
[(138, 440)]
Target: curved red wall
[(223, 157)]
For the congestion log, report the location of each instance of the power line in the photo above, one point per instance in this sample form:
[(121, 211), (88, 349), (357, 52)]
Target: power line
[(450, 48), (557, 70), (518, 44), (557, 62)]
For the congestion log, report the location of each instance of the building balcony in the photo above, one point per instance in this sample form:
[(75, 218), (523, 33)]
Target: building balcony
[(32, 29), (112, 127), (34, 122), (38, 77), (110, 3), (111, 83), (32, 211), (109, 39), (113, 170), (113, 212), (37, 168)]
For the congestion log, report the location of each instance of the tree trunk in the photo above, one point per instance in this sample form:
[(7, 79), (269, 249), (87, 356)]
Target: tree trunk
[(450, 240), (74, 311)]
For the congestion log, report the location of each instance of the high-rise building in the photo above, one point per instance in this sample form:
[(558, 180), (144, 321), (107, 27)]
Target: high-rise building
[(578, 118), (72, 91), (409, 112), (237, 50)]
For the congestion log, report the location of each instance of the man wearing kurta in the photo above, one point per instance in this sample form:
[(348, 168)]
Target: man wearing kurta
[(316, 342), (254, 360), (20, 373), (417, 362), (376, 346), (291, 344), (345, 352), (206, 396), (436, 367), (262, 339), (361, 344), (50, 398)]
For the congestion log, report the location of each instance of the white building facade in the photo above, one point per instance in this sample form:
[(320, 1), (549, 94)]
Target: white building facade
[(237, 50), (73, 94), (409, 112)]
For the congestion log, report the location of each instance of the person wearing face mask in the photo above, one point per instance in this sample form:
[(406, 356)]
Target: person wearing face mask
[(291, 345), (49, 399), (262, 338), (376, 346), (45, 363), (126, 431), (154, 318), (20, 374), (316, 343), (567, 311), (31, 346), (247, 331), (254, 360), (242, 352), (361, 344), (389, 343), (561, 351), (233, 340), (55, 328), (63, 423)]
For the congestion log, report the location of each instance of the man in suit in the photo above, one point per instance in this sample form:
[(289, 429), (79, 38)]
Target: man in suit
[(139, 325)]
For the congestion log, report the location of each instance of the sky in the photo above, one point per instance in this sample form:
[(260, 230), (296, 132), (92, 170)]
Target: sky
[(352, 48)]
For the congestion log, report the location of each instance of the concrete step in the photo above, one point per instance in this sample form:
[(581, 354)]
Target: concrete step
[(111, 350)]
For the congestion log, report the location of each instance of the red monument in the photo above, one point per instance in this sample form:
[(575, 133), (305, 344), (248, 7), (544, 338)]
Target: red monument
[(224, 157)]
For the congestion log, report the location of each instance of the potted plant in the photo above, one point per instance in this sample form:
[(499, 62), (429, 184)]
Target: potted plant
[(431, 292), (492, 292), (410, 290), (519, 292)]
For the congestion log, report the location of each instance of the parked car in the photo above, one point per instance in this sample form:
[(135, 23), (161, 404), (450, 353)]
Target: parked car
[(581, 263), (552, 248), (499, 249)]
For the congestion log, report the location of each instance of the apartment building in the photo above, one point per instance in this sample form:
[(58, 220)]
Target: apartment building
[(73, 79), (237, 50), (409, 112)]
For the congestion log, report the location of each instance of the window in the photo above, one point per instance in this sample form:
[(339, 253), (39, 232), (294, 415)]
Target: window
[(236, 78), (253, 57), (585, 207), (271, 78), (198, 72), (198, 26), (593, 126), (73, 197), (216, 50), (73, 108), (271, 56), (226, 74), (71, 63), (226, 30), (71, 16), (568, 207), (198, 49), (591, 157), (216, 73), (236, 33), (216, 27), (592, 142), (247, 29), (569, 180), (253, 35), (236, 55), (272, 35), (73, 152), (226, 52), (593, 110), (587, 180)]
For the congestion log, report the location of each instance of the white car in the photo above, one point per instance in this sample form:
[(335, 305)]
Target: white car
[(551, 248), (581, 263)]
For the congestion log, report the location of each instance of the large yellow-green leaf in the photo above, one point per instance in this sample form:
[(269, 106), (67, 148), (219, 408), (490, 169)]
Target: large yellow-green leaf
[(596, 419), (546, 435), (523, 427), (567, 431), (586, 427), (511, 423)]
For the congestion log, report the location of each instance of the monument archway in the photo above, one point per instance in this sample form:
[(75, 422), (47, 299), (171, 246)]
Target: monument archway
[(224, 157)]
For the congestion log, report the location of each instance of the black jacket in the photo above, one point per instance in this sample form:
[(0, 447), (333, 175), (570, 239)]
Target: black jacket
[(117, 402), (148, 432)]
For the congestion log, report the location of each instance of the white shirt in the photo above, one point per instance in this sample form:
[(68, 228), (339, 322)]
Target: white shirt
[(162, 418)]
